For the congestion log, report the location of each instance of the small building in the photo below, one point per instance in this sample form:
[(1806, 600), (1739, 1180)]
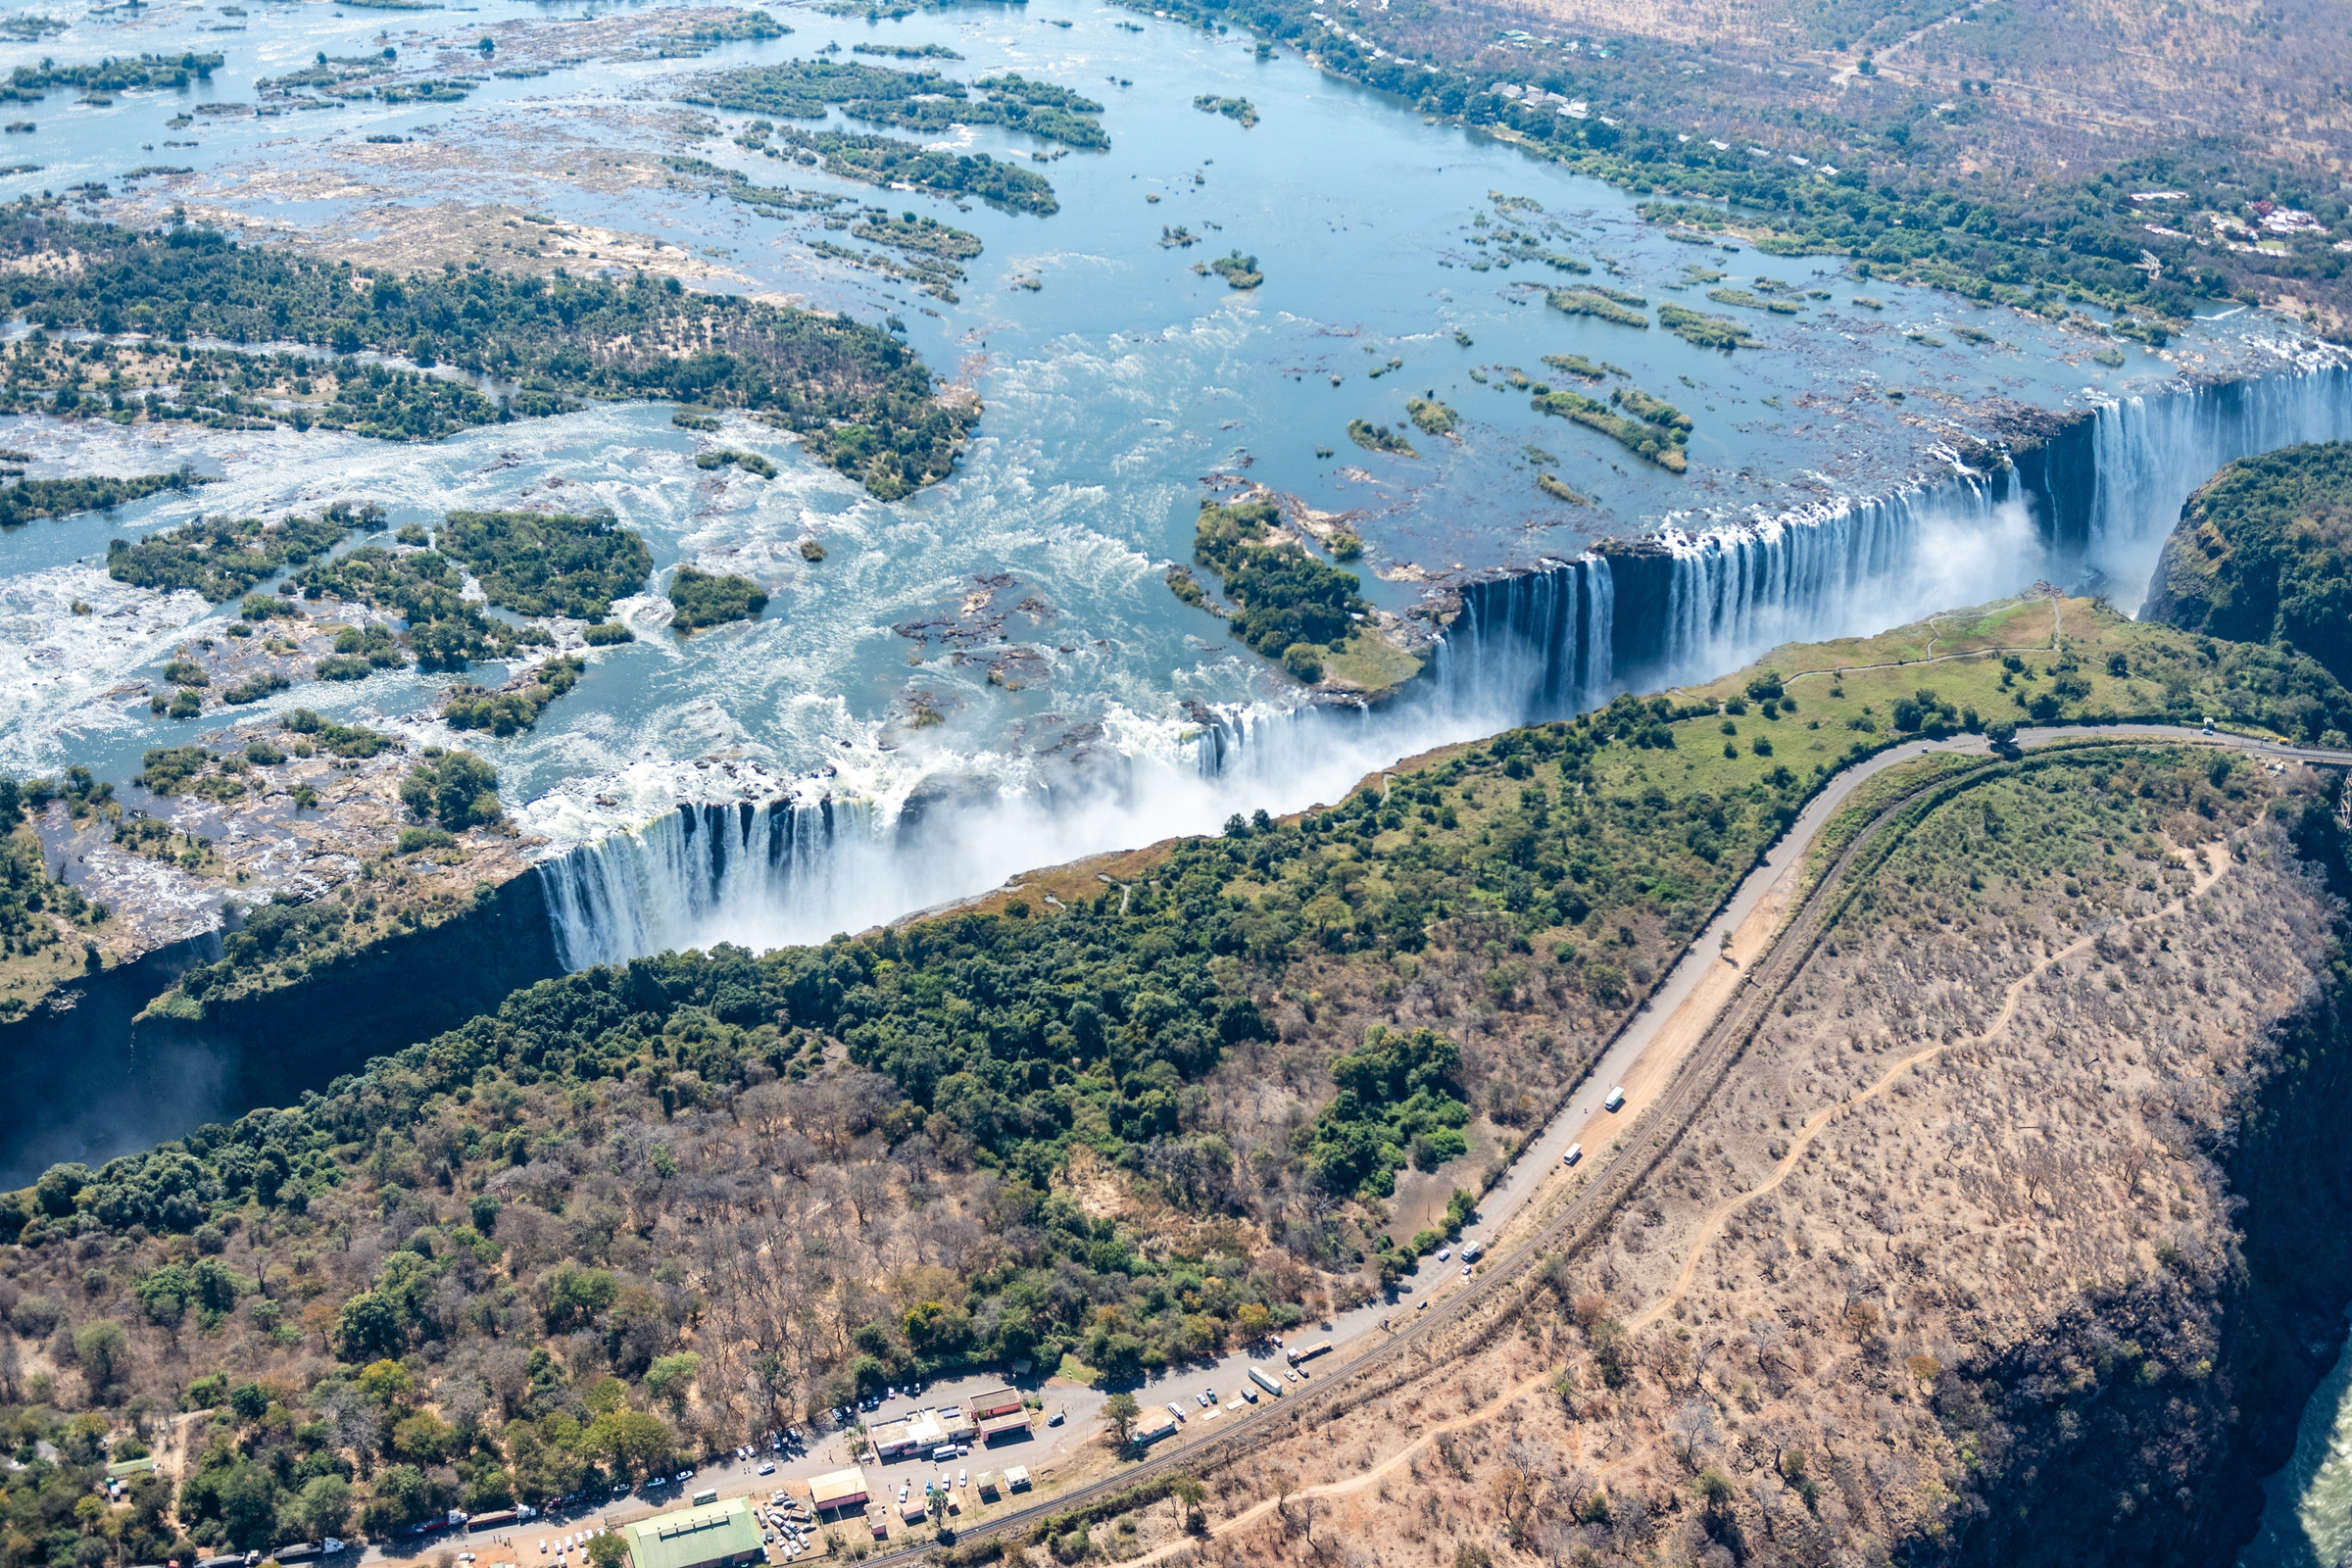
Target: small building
[(986, 1482), (1155, 1425), (840, 1491), (1016, 1478), (892, 1438), (721, 1535), (957, 1422), (991, 1402)]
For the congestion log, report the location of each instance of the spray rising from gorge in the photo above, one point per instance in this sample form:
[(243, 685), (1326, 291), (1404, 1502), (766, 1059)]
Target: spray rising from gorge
[(798, 861)]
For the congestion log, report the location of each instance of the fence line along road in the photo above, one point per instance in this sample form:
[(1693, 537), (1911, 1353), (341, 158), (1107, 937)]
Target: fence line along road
[(1472, 1316)]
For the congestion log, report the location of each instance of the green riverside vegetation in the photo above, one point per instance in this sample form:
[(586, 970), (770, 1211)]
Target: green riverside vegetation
[(1883, 185), (2263, 552), (860, 395)]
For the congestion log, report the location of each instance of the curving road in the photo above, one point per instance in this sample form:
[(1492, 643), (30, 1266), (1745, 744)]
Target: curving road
[(1670, 1057)]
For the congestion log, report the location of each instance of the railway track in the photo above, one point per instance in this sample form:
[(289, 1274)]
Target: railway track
[(1472, 1316)]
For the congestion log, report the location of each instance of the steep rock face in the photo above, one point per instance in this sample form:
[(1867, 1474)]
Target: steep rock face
[(2263, 552)]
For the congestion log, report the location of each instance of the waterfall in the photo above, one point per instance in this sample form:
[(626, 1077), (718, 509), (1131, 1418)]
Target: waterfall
[(799, 861), (2148, 453), (709, 873)]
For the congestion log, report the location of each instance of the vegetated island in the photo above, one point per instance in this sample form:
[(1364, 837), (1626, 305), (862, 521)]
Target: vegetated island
[(882, 161), (917, 100), (1431, 415), (1380, 438), (535, 565), (1294, 608), (712, 599), (862, 399), (1707, 331), (1648, 427), (1235, 108), (1608, 304), (26, 499), (1237, 271)]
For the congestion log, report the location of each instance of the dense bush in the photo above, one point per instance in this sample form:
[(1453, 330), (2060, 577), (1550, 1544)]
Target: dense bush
[(562, 341)]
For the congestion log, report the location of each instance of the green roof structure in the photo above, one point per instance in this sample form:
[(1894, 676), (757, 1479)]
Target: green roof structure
[(714, 1534)]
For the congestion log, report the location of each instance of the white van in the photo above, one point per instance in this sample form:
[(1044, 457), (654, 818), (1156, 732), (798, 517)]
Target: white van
[(1616, 1099), (1576, 1151)]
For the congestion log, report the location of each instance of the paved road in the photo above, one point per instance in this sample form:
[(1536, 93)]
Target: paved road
[(1693, 1001), (1644, 1057)]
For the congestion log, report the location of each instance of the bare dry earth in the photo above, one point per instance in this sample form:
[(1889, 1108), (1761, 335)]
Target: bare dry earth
[(1956, 1214)]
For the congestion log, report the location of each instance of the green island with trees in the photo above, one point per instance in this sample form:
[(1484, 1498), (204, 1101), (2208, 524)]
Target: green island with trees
[(1705, 331), (1380, 438), (1237, 271), (26, 499), (1238, 110), (40, 915), (915, 100), (887, 159), (1607, 304), (517, 706), (221, 558), (701, 599), (863, 400), (1644, 425), (1294, 608)]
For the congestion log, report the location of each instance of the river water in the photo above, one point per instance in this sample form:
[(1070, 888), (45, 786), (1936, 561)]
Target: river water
[(1114, 390)]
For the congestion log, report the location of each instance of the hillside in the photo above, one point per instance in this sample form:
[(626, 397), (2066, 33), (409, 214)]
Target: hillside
[(2016, 1236), (2263, 553), (1118, 1118)]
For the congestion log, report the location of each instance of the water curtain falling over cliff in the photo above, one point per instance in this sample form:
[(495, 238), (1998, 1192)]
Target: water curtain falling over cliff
[(2097, 496), (805, 868), (2147, 454)]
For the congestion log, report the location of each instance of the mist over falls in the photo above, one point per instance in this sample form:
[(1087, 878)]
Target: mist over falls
[(2091, 505)]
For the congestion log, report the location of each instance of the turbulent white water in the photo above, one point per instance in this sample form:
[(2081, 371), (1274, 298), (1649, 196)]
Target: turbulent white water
[(2150, 451), (763, 861)]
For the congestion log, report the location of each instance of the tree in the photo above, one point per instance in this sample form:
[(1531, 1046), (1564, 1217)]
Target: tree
[(671, 1378), (1189, 1492), (369, 1329), (324, 1506), (1120, 1410), (608, 1551), (101, 1346), (1691, 1429), (249, 1505), (457, 787), (628, 1439)]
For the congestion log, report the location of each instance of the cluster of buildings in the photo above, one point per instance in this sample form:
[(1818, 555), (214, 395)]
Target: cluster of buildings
[(983, 1418)]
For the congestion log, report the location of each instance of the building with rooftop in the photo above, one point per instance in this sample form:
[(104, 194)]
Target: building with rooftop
[(718, 1535), (842, 1490)]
